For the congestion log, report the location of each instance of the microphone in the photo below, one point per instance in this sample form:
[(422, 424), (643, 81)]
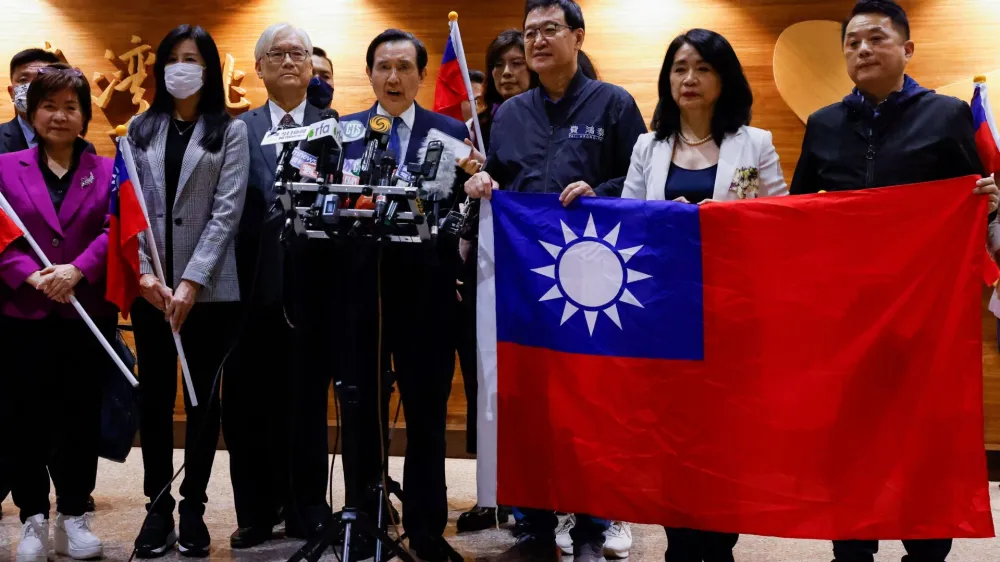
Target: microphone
[(438, 154), (321, 148), (376, 141)]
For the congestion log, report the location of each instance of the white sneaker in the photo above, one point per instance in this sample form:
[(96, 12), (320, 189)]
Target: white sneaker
[(618, 540), (34, 545), (75, 539), (563, 540)]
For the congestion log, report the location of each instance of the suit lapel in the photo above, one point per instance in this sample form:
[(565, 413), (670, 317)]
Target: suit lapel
[(192, 156), (79, 188), (261, 122), (663, 154), (729, 155), (157, 153), (13, 137), (420, 127), (33, 184), (311, 115)]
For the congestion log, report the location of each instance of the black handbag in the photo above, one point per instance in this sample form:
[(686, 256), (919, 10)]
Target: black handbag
[(119, 406)]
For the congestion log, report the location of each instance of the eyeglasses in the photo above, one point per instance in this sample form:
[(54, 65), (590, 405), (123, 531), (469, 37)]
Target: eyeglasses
[(278, 57), (74, 72), (549, 31)]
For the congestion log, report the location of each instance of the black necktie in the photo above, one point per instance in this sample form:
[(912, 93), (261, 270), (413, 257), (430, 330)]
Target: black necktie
[(288, 121)]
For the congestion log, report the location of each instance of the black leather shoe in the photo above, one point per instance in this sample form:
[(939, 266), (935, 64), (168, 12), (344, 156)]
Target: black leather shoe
[(479, 518), (434, 549), (249, 537), (529, 549)]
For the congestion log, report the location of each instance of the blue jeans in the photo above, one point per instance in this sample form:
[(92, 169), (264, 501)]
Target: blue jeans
[(541, 523)]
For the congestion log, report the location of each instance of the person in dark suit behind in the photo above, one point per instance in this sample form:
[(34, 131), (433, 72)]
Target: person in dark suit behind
[(417, 292), (255, 412), (18, 134), (62, 194), (192, 160)]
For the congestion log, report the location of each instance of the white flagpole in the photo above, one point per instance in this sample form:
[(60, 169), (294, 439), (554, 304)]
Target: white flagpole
[(456, 39), (125, 146), (72, 299)]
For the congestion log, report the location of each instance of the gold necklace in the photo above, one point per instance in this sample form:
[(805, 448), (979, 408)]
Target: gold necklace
[(693, 143)]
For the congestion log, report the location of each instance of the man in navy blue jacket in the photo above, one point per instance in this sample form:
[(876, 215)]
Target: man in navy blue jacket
[(397, 300), (572, 136)]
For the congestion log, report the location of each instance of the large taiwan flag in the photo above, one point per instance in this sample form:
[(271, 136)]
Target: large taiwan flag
[(789, 367)]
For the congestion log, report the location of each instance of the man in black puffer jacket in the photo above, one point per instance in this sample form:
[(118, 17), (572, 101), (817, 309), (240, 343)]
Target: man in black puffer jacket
[(888, 131)]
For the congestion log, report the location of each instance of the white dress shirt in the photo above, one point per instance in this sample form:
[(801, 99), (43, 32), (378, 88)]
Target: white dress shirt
[(277, 114), (405, 128)]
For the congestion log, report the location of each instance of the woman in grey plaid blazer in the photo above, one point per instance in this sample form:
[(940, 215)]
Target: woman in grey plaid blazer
[(192, 160)]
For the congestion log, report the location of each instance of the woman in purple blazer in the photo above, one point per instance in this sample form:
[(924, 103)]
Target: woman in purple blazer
[(50, 397)]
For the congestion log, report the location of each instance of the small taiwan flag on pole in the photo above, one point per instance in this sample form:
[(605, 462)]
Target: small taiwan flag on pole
[(8, 231), (987, 143)]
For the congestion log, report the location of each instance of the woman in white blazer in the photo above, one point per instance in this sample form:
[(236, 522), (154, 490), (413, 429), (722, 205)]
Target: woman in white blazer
[(702, 149)]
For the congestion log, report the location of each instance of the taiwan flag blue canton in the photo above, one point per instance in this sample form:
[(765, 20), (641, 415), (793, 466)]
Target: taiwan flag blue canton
[(622, 279)]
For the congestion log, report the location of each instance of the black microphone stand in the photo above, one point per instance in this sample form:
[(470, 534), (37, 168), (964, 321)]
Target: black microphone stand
[(345, 522)]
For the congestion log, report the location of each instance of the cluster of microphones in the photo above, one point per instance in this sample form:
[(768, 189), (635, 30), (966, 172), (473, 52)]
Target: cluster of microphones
[(316, 154)]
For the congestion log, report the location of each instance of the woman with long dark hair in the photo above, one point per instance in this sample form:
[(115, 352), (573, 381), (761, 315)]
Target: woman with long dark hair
[(702, 149), (192, 160)]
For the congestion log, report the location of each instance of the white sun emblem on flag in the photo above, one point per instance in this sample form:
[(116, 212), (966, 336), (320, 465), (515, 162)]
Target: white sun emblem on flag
[(591, 274)]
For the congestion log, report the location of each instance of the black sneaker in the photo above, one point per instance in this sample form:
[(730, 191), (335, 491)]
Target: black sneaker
[(157, 536), (195, 540), (479, 518)]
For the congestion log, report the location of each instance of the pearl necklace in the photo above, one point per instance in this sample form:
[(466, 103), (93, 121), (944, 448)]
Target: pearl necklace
[(693, 143)]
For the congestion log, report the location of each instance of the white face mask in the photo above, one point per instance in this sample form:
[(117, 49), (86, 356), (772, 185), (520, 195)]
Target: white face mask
[(184, 79), (21, 97)]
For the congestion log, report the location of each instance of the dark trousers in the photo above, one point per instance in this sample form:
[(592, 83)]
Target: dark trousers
[(207, 336), (467, 347), (692, 545), (255, 415), (50, 409), (412, 291), (418, 295), (336, 312), (933, 550)]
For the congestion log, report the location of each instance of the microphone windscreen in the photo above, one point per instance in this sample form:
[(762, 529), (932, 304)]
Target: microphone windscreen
[(441, 186)]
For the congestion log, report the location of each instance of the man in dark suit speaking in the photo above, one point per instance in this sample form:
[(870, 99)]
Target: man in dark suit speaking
[(396, 298), (258, 379)]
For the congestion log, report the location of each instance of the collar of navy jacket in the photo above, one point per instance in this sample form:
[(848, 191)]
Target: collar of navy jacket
[(423, 122)]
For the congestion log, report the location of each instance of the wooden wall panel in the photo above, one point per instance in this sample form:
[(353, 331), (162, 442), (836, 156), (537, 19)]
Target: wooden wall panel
[(627, 38)]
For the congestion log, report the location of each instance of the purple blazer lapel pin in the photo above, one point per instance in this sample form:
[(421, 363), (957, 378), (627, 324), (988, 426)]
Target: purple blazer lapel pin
[(87, 180)]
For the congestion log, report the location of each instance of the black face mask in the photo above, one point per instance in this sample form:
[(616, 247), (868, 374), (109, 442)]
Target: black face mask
[(319, 93)]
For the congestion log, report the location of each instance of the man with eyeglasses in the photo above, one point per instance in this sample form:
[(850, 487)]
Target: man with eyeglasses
[(572, 136), (258, 394)]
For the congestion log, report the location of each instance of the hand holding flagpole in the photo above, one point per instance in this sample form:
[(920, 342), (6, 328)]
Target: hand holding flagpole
[(72, 299), (126, 147)]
